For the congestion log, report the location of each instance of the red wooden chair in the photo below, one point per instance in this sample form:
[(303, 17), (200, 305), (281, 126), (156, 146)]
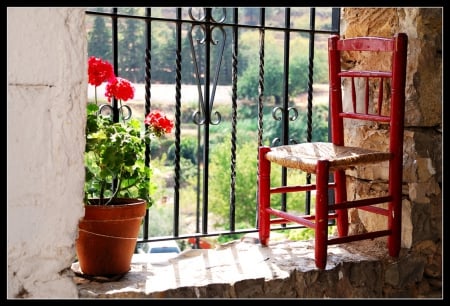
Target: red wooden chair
[(322, 158)]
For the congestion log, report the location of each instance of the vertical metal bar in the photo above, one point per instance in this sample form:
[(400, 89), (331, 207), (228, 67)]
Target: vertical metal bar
[(198, 198), (200, 106), (260, 98), (285, 113), (207, 120), (285, 116), (148, 77), (335, 20), (176, 206), (261, 76), (115, 38), (114, 102), (312, 26), (233, 120)]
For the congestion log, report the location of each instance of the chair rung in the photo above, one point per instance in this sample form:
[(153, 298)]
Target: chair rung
[(303, 220), (365, 117), (284, 189), (285, 217), (357, 237), (364, 202), (370, 74)]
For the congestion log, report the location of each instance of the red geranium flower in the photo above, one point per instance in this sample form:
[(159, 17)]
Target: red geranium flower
[(158, 123), (99, 71), (119, 88)]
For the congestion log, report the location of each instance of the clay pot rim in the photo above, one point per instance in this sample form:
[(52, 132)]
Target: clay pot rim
[(118, 202), (84, 220)]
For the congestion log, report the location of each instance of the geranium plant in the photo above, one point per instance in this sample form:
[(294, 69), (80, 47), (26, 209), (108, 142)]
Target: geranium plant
[(115, 151)]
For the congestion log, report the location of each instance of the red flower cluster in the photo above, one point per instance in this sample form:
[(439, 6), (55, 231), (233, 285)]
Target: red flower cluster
[(100, 71), (158, 123), (119, 88)]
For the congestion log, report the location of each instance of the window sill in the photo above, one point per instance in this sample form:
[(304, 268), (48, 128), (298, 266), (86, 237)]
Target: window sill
[(246, 270)]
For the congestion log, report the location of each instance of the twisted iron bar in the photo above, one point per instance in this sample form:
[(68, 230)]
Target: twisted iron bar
[(260, 103), (233, 128), (176, 208), (261, 87)]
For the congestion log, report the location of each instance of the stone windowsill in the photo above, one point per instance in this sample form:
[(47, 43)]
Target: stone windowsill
[(242, 269)]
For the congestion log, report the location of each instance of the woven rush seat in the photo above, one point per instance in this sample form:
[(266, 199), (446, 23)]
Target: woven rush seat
[(304, 156)]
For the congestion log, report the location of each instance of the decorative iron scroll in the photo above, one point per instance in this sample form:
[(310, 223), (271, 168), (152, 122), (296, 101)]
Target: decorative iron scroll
[(277, 117), (107, 110), (207, 25)]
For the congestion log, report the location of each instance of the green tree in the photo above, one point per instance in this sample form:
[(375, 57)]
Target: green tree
[(245, 184), (188, 149), (163, 54), (273, 67), (131, 49), (250, 67), (99, 39)]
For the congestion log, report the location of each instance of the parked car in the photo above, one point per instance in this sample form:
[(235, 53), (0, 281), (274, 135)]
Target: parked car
[(168, 246)]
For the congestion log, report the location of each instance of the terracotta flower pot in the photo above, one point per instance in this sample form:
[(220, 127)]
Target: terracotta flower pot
[(107, 237)]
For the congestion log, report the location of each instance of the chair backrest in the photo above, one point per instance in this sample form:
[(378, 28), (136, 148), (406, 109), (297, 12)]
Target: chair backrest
[(369, 88)]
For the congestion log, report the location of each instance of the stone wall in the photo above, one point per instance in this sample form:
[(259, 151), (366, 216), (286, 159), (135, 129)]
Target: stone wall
[(422, 172)]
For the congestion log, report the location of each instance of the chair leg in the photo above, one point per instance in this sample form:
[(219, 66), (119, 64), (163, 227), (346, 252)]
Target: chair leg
[(263, 196), (395, 206), (394, 220), (340, 195), (321, 214)]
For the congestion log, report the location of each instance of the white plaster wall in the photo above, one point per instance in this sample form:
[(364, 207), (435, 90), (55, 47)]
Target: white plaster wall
[(46, 96)]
